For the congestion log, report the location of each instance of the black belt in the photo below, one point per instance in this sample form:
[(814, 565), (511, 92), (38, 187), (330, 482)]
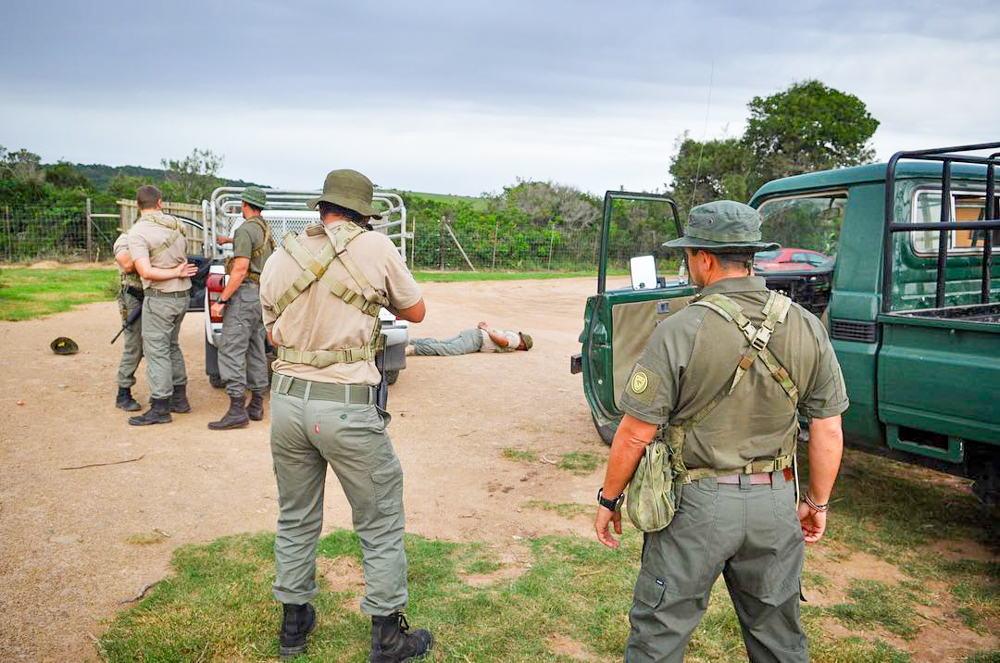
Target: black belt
[(355, 394)]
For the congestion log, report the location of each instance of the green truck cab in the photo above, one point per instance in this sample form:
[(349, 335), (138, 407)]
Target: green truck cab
[(911, 301)]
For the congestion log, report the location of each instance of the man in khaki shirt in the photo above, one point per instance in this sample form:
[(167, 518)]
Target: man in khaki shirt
[(158, 249), (321, 312), (129, 298), (481, 339), (734, 406)]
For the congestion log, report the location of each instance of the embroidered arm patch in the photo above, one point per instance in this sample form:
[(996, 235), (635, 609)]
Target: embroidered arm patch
[(643, 385)]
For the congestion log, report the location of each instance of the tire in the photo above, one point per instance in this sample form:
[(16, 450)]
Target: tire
[(391, 377), (606, 432)]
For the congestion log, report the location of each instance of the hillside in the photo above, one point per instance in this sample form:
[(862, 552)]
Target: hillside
[(100, 175)]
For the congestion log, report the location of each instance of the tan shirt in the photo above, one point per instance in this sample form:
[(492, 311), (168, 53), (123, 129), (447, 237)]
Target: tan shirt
[(318, 320), (146, 236), (513, 340), (128, 278), (694, 353)]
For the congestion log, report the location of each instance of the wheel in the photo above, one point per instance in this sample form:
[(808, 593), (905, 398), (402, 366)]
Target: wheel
[(606, 432), (391, 377)]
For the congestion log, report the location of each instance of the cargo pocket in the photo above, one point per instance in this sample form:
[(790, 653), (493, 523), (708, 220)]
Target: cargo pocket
[(648, 589), (388, 483)]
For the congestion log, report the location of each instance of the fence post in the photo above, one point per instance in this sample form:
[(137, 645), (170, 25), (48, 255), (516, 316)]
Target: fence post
[(90, 253), (10, 239), (441, 243), (496, 235), (459, 245), (552, 239), (413, 244)]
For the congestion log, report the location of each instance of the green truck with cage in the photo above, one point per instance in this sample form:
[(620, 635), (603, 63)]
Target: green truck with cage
[(911, 301)]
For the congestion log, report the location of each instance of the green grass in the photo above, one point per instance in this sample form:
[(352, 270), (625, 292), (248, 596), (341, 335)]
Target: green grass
[(984, 657), (32, 293), (452, 277), (217, 606), (876, 602), (520, 455), (577, 462), (565, 510)]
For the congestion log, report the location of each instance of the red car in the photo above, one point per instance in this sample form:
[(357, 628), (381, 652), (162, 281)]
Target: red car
[(789, 259)]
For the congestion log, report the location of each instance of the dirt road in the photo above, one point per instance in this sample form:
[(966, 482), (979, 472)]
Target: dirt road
[(65, 559)]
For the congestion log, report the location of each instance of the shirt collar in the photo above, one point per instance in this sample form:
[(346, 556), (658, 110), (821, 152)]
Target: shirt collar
[(738, 284)]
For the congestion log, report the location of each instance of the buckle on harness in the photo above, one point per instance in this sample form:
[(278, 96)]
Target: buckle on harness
[(760, 339)]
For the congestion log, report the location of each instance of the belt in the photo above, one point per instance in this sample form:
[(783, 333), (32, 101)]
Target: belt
[(755, 479), (353, 394), (135, 292), (153, 292), (252, 277)]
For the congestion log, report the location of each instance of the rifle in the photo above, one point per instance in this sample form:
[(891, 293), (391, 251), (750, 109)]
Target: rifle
[(382, 390), (133, 315)]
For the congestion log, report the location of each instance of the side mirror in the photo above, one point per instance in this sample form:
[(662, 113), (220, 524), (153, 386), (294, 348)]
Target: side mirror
[(643, 271)]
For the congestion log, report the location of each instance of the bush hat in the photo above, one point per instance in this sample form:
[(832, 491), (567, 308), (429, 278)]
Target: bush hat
[(255, 196), (350, 189), (723, 225), (64, 345), (527, 340)]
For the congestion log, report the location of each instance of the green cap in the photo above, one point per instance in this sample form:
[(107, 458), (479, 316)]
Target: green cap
[(64, 346), (723, 225), (350, 189), (255, 196), (527, 340)]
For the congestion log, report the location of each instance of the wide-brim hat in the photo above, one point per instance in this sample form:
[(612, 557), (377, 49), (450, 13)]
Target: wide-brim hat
[(349, 189), (527, 340), (64, 345), (721, 226), (255, 196)]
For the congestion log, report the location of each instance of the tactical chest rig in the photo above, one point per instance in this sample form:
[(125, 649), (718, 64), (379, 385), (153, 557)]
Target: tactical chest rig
[(254, 277), (175, 232), (316, 269), (655, 490)]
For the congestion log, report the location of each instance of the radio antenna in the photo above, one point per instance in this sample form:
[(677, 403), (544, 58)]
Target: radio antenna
[(704, 132)]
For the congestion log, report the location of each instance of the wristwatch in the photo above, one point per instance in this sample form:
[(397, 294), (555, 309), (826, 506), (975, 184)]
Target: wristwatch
[(610, 505), (222, 301)]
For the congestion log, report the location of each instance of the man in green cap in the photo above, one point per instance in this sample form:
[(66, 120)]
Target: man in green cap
[(723, 382), (158, 249), (481, 339), (242, 355), (321, 293)]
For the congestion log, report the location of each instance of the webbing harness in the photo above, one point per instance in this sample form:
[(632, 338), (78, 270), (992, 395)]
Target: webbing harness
[(315, 269), (254, 277), (775, 311), (171, 238)]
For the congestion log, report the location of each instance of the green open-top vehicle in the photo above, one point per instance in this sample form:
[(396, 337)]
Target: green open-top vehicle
[(911, 301)]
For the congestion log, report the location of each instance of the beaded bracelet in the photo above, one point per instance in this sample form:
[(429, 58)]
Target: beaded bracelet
[(815, 507)]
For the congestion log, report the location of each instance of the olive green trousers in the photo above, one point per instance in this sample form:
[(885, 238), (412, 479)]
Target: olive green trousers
[(242, 354), (132, 341), (161, 327), (306, 437), (749, 534)]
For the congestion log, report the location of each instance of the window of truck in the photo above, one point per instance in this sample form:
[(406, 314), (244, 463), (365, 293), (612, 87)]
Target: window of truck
[(965, 206), (805, 222)]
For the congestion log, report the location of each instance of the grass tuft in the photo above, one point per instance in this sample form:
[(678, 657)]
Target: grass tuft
[(876, 602), (564, 510)]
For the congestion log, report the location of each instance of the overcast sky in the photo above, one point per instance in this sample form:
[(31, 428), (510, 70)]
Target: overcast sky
[(463, 96)]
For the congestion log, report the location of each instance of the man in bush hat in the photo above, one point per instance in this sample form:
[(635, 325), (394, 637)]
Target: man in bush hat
[(722, 383), (242, 354), (321, 293)]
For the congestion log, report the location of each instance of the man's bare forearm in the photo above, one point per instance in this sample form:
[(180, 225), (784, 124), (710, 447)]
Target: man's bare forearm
[(236, 275), (826, 448), (631, 439)]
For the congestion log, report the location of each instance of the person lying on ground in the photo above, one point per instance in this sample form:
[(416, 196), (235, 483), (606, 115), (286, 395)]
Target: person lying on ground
[(480, 339)]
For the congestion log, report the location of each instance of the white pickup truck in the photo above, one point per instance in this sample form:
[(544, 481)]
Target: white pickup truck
[(287, 212)]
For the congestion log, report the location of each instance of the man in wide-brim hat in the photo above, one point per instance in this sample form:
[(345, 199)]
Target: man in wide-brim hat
[(722, 382), (321, 293)]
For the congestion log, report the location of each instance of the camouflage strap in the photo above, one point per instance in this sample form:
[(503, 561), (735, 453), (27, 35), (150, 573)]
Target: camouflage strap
[(324, 358), (268, 239), (775, 312), (171, 238)]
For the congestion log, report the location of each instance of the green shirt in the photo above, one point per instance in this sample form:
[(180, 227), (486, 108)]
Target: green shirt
[(693, 354), (248, 238)]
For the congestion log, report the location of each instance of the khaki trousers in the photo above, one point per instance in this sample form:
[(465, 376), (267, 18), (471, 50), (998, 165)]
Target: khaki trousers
[(306, 437), (242, 355), (132, 338), (749, 534), (467, 342), (161, 327)]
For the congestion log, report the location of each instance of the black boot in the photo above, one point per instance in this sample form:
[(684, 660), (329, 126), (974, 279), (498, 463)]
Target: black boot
[(298, 623), (235, 417), (125, 401), (179, 400), (255, 410), (158, 413), (392, 644)]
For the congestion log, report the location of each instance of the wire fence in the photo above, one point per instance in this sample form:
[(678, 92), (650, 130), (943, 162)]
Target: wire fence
[(441, 245), (32, 233)]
